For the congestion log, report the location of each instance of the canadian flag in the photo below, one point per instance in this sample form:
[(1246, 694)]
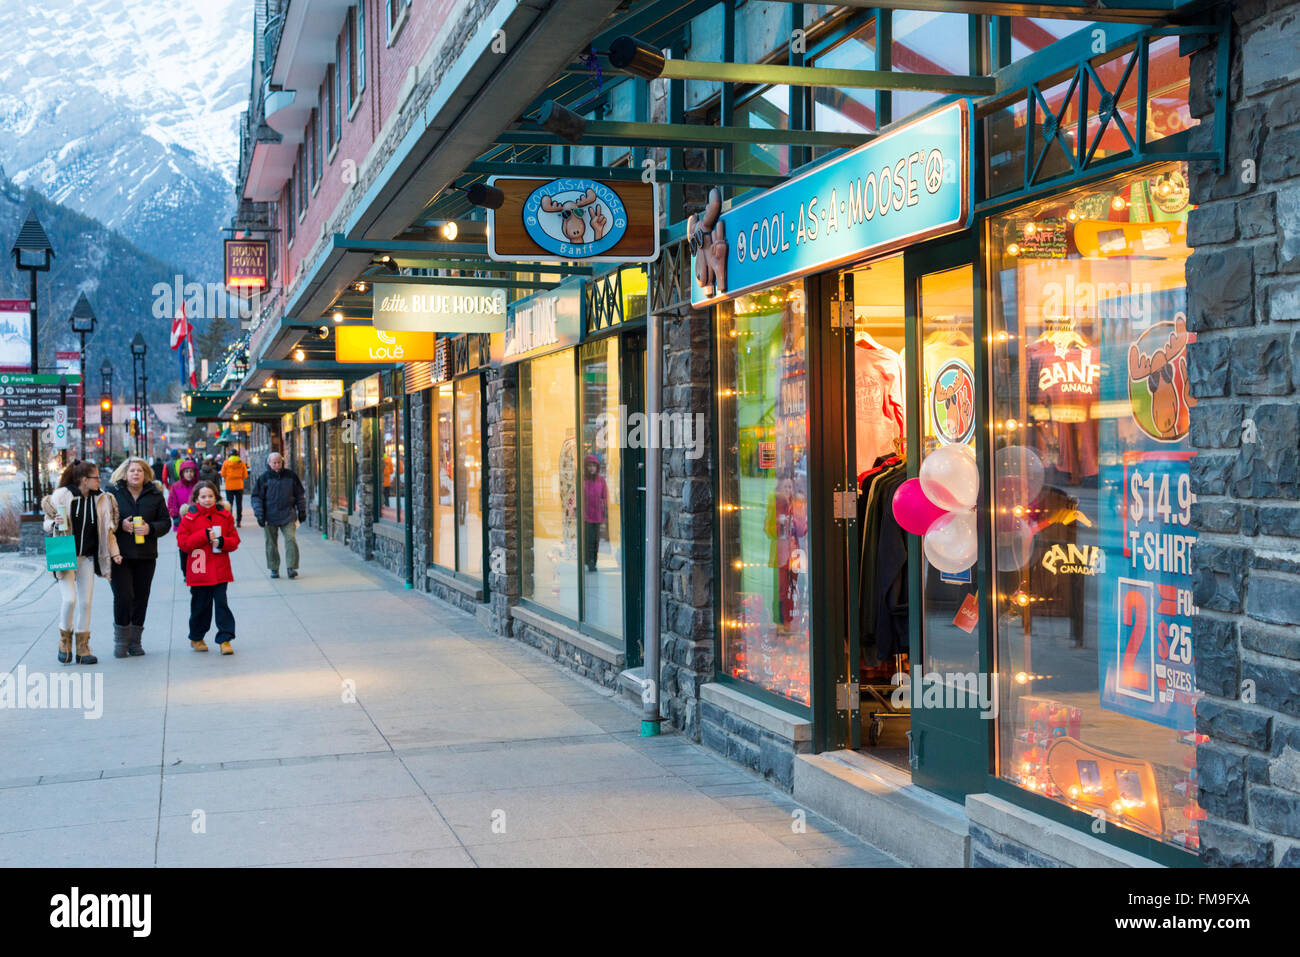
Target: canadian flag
[(180, 328), (183, 331)]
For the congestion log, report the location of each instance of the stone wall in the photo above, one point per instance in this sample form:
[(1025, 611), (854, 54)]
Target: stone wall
[(686, 622), (419, 472), (502, 390), (1244, 304), (748, 743), (389, 548), (361, 539)]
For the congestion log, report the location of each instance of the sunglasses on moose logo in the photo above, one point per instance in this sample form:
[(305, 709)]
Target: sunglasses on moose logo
[(1153, 380), (566, 213)]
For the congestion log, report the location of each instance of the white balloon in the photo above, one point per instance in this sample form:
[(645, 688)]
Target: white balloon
[(1019, 474), (951, 544), (1015, 540), (950, 478)]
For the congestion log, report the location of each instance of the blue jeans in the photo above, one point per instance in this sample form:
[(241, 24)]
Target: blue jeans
[(202, 600)]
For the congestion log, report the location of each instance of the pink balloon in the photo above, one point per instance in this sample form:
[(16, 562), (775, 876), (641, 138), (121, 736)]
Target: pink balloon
[(913, 508)]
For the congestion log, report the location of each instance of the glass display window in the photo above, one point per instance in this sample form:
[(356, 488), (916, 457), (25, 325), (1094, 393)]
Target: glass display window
[(467, 480), (1091, 499), (392, 456), (549, 481), (948, 417), (763, 490), (444, 476), (602, 507), (342, 462)]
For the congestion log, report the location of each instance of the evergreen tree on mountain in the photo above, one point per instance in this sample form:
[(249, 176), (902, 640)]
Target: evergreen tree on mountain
[(212, 342)]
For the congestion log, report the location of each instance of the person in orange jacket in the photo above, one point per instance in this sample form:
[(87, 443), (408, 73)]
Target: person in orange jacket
[(234, 473), (206, 537)]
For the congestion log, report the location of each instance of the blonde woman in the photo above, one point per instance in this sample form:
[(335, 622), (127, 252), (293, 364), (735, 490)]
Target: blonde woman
[(78, 508), (143, 519)]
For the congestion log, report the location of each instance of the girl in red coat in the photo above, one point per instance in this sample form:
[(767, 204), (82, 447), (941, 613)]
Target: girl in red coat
[(206, 537)]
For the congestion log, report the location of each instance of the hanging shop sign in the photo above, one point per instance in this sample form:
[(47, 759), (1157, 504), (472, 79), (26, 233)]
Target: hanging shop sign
[(304, 414), (329, 409), (574, 219), (438, 307), (905, 186), (543, 323), (369, 345), (15, 335), (1145, 499), (365, 392), (247, 264), (309, 389)]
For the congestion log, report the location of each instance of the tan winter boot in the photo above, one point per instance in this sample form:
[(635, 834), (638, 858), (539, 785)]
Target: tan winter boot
[(84, 657), (65, 647)]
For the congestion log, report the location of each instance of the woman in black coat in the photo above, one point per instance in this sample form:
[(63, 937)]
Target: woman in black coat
[(144, 519)]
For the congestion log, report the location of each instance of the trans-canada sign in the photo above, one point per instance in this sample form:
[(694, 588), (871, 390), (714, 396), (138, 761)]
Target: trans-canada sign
[(573, 219)]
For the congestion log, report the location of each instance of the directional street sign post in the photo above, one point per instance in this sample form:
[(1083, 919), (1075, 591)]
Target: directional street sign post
[(28, 401)]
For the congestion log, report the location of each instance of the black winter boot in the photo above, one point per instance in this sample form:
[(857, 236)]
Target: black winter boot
[(134, 649), (121, 640)]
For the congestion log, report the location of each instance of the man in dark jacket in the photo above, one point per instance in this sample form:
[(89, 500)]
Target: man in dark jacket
[(278, 499)]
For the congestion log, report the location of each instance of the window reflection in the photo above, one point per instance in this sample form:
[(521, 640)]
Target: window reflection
[(1092, 501)]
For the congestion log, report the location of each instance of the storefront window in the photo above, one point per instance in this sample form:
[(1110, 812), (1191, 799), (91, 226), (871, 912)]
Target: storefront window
[(468, 478), (840, 110), (947, 309), (927, 42), (768, 109), (1092, 502), (444, 481), (548, 483), (763, 482), (392, 456), (602, 513), (342, 458), (301, 442)]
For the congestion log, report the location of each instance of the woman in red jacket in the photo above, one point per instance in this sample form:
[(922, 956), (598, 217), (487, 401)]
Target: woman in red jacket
[(206, 537)]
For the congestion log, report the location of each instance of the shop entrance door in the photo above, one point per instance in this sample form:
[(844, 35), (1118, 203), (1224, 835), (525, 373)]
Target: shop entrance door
[(952, 690), (866, 309)]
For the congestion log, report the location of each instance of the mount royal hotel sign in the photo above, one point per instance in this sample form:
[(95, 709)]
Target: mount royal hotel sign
[(906, 185)]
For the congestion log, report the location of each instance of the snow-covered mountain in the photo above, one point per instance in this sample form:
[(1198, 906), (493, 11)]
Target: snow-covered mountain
[(128, 111)]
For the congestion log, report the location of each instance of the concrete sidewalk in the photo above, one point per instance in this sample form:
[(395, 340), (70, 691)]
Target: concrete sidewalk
[(358, 724)]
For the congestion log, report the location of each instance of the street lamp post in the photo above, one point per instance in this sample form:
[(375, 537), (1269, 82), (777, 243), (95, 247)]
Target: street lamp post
[(83, 324), (32, 239), (139, 382), (106, 408)]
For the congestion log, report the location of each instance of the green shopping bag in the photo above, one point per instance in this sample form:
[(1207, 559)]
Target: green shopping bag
[(61, 553)]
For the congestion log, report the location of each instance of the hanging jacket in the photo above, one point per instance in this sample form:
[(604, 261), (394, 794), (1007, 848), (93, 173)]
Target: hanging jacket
[(150, 506), (203, 566), (235, 473), (181, 491)]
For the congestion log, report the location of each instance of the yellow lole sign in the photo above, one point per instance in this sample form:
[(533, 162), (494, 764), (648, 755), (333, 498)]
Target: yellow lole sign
[(367, 344)]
